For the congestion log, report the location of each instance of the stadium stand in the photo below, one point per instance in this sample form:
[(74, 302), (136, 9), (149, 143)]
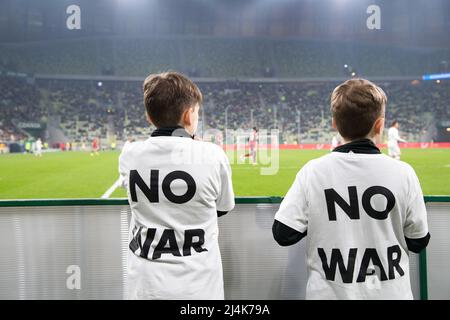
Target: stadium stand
[(218, 57), (270, 82), (87, 108)]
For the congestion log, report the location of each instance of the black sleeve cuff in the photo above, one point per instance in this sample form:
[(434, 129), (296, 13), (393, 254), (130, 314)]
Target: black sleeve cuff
[(221, 213), (284, 235), (417, 245)]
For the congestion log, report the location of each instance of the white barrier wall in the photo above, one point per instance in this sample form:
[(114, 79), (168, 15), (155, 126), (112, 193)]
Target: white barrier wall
[(45, 249), (438, 251)]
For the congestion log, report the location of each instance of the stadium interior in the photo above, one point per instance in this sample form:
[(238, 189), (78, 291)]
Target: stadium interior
[(254, 71), (72, 72)]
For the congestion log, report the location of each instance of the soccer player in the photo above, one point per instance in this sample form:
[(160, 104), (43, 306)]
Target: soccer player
[(393, 139), (95, 146), (363, 211), (38, 151), (28, 146), (177, 188), (252, 141)]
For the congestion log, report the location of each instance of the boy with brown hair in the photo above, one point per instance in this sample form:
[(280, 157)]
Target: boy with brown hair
[(177, 187), (363, 211)]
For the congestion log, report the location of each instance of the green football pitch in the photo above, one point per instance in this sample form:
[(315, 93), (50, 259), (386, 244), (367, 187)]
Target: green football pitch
[(79, 175)]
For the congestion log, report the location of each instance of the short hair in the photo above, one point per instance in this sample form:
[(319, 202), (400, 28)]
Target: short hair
[(167, 95), (355, 105), (394, 123)]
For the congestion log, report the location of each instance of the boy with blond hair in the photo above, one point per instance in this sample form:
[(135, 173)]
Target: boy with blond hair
[(363, 211)]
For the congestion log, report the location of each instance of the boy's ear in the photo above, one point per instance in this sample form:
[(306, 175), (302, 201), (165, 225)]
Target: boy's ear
[(186, 117), (148, 118), (379, 126), (333, 123)]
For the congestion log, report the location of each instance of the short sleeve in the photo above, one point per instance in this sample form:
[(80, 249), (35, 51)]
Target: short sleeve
[(293, 210), (416, 225), (225, 199)]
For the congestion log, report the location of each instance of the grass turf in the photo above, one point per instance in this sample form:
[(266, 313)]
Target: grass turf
[(79, 175)]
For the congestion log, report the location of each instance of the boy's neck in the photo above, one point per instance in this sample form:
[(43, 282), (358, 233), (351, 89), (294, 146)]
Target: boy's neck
[(175, 131), (364, 145), (345, 141)]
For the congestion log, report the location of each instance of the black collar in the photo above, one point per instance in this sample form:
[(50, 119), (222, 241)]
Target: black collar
[(359, 146), (177, 131)]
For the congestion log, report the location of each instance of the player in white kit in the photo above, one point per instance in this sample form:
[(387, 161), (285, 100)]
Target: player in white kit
[(38, 151), (393, 139)]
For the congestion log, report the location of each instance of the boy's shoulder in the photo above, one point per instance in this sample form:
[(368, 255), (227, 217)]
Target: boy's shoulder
[(210, 145), (381, 159), (394, 163), (208, 149), (131, 146), (130, 149), (212, 149)]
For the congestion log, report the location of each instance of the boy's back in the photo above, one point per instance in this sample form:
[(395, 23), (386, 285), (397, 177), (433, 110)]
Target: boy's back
[(359, 208), (362, 211), (174, 194), (177, 187)]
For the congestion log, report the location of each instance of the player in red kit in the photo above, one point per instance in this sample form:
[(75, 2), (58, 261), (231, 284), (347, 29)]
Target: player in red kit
[(252, 141), (95, 147)]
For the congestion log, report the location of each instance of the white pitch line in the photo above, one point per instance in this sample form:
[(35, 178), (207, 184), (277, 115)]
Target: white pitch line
[(111, 189)]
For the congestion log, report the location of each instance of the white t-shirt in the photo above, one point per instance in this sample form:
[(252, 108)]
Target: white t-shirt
[(126, 145), (177, 185), (356, 208)]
